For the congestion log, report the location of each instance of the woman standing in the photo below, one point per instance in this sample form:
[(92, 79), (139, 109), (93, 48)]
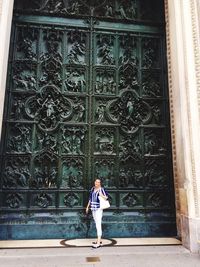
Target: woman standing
[(97, 213)]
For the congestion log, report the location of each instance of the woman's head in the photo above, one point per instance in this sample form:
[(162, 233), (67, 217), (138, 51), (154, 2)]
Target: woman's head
[(97, 183)]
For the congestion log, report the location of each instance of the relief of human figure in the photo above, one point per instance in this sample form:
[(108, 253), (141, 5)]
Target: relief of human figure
[(100, 113), (109, 11), (77, 50)]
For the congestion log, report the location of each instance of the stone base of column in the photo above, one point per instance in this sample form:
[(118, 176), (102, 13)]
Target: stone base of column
[(190, 233)]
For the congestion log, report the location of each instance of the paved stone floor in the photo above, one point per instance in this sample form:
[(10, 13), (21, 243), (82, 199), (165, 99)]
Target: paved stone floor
[(130, 256)]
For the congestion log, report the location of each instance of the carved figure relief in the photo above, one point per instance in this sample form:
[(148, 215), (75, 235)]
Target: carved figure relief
[(44, 177), (16, 173), (46, 142), (129, 111), (105, 54), (128, 62), (122, 10), (104, 141), (27, 44), (24, 77), (75, 81), (154, 143), (73, 140), (49, 107), (155, 173), (105, 82), (76, 47), (150, 53), (151, 86), (72, 173), (130, 150), (17, 110), (130, 178), (51, 58), (46, 172), (100, 112), (20, 139), (104, 169), (157, 114)]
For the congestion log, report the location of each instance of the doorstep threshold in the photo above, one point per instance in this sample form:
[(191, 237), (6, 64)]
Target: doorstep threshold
[(86, 242)]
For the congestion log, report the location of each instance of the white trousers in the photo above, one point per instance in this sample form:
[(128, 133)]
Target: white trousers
[(97, 215)]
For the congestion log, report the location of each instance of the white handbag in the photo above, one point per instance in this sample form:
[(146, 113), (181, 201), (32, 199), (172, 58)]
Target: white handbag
[(104, 203)]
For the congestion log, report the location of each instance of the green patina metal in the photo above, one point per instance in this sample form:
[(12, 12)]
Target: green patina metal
[(87, 97)]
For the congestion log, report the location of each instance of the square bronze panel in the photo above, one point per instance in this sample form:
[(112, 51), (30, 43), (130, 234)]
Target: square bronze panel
[(92, 259)]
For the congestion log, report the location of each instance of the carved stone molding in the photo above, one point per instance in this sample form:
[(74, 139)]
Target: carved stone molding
[(171, 105), (195, 15)]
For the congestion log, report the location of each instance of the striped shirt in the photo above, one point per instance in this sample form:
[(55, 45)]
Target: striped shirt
[(94, 198)]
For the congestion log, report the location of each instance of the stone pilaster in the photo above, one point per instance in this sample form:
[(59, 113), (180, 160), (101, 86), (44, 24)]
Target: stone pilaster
[(6, 11), (183, 91)]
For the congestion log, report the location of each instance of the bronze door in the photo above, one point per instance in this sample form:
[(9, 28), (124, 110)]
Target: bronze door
[(87, 98)]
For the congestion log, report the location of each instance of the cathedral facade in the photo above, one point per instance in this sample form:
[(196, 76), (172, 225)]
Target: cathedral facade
[(114, 95)]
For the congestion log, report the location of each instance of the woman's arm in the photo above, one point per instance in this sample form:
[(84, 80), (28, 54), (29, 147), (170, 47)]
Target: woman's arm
[(87, 208)]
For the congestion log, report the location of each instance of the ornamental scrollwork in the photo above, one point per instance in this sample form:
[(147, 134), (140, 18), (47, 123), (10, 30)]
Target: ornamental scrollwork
[(43, 200), (156, 200), (71, 200), (14, 200), (131, 200)]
